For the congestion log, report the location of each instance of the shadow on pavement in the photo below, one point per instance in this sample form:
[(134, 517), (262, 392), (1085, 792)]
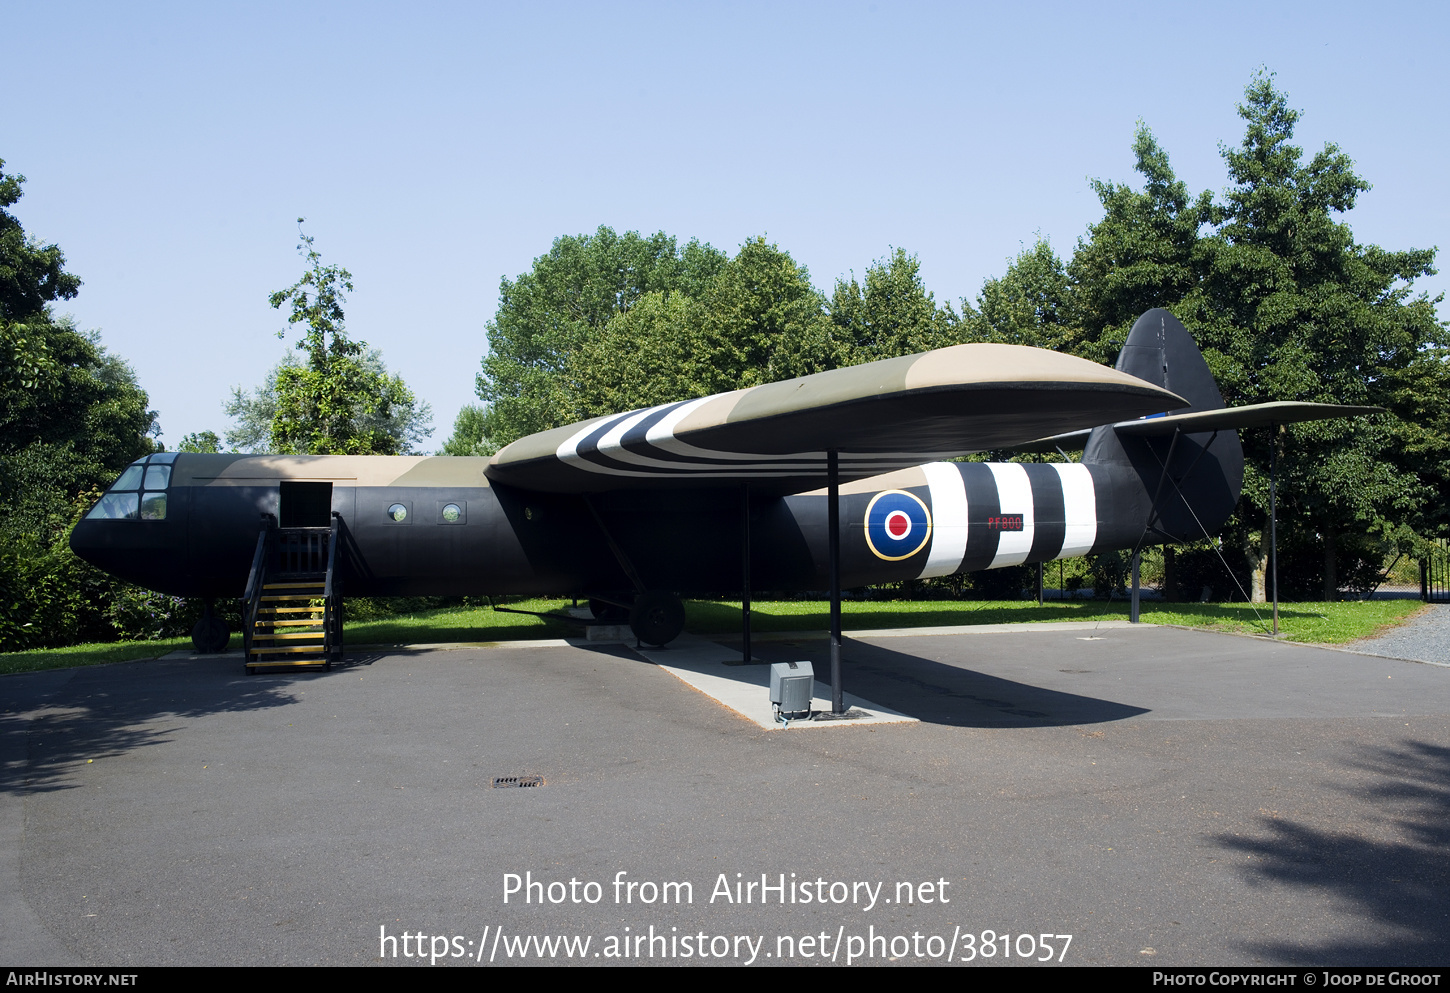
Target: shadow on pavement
[(939, 693), (1397, 884), (55, 720)]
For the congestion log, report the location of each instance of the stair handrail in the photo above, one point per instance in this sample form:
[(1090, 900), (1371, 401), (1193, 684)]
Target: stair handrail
[(331, 615), (256, 578)]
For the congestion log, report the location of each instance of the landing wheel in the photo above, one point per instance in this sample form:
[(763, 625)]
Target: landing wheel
[(211, 634), (657, 618)]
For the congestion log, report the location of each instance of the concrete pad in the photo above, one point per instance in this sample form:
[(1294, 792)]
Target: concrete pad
[(745, 689)]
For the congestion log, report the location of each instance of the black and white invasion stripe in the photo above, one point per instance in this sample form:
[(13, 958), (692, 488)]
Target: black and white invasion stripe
[(642, 443), (1057, 504)]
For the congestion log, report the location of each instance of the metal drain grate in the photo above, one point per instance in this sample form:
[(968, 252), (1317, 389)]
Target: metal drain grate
[(500, 782)]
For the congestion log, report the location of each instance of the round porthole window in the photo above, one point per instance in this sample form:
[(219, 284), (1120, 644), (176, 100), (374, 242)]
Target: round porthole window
[(452, 512), (398, 512)]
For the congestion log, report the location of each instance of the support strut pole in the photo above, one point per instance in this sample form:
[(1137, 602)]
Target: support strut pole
[(1273, 523), (745, 572), (833, 525), (1133, 610)]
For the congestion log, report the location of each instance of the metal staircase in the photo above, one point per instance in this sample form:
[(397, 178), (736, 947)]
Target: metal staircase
[(292, 616)]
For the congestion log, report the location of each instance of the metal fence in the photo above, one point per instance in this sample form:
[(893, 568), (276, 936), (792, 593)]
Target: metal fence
[(1435, 574)]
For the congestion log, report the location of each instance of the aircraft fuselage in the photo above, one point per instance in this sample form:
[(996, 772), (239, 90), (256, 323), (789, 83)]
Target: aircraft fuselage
[(436, 525)]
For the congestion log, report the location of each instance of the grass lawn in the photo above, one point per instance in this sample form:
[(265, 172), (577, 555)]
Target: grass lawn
[(1320, 623), (37, 659)]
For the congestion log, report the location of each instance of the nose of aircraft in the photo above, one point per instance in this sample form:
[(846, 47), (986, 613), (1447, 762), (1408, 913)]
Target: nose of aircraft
[(137, 530), (146, 553)]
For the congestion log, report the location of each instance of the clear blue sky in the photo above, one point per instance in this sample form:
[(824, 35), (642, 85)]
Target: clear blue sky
[(435, 148)]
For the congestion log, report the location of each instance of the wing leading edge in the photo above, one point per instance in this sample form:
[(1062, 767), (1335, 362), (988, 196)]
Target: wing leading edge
[(878, 416)]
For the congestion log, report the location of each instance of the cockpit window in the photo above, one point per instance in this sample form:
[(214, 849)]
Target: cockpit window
[(153, 507), (115, 507), (130, 479), (139, 493)]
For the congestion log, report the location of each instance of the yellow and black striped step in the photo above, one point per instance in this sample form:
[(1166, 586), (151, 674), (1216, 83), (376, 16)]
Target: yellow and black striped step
[(288, 650), (279, 663)]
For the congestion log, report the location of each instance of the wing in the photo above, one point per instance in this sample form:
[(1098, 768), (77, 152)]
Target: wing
[(878, 417)]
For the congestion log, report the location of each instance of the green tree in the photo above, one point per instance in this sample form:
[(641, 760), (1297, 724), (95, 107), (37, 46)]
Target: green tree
[(1302, 312), (568, 298), (1286, 306), (892, 314), (470, 433), (1151, 249), (203, 442), (762, 321), (340, 401), (32, 275), (756, 321), (71, 416), (404, 425), (1030, 304), (650, 354)]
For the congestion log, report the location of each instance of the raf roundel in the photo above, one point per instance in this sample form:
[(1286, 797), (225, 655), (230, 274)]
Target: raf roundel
[(898, 525)]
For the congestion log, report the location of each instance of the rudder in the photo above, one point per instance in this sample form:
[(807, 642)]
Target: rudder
[(1205, 470)]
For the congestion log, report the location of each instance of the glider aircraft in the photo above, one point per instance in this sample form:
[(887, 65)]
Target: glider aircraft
[(829, 480)]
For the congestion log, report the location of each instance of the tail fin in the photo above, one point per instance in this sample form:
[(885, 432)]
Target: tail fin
[(1205, 470)]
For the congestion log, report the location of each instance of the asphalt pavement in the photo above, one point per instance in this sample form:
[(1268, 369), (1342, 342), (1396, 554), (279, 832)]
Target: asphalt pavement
[(1165, 797)]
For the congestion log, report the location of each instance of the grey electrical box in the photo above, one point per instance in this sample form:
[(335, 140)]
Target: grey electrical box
[(792, 686)]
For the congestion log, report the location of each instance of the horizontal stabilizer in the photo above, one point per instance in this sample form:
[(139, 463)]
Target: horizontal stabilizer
[(878, 417), (1256, 415)]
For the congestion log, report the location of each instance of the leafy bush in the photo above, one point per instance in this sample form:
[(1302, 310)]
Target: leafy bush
[(49, 597), (142, 615)]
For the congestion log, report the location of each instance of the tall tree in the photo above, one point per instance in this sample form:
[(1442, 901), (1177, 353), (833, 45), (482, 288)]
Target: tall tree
[(570, 296), (1287, 306), (892, 314), (402, 425), (763, 321), (650, 354), (758, 319), (470, 433), (340, 401), (32, 275), (1149, 250), (1302, 312), (71, 416), (1030, 304)]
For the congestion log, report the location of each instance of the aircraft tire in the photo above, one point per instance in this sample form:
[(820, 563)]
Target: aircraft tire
[(211, 634), (658, 617)]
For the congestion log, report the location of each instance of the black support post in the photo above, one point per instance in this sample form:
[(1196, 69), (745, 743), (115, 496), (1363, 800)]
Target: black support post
[(1273, 524), (833, 515), (746, 658), (1133, 609)]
